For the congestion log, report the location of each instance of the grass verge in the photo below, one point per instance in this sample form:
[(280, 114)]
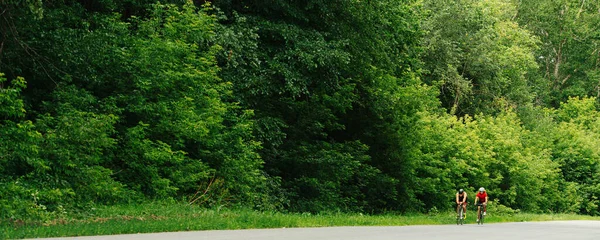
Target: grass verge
[(158, 217)]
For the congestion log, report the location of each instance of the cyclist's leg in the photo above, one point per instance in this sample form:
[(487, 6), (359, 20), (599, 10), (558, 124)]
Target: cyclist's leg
[(485, 208)]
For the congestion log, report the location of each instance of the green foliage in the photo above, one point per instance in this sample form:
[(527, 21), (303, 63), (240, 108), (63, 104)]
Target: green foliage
[(18, 151), (493, 152), (137, 110), (74, 143), (324, 178), (393, 107), (522, 174), (567, 57), (176, 128), (34, 6), (576, 150), (12, 104), (54, 163), (477, 55), (582, 112), (320, 79), (307, 106)]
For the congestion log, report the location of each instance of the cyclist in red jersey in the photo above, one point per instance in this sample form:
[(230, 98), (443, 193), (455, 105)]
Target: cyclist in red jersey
[(482, 198), (461, 201)]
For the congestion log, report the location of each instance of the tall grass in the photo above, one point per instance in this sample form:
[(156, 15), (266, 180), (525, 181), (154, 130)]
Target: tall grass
[(163, 217)]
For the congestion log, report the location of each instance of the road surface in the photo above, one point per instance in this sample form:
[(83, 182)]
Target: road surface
[(556, 230)]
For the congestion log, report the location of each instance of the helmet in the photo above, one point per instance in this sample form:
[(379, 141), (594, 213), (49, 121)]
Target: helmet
[(481, 189), (461, 190)]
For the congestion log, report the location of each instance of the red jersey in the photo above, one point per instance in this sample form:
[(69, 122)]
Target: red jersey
[(481, 196)]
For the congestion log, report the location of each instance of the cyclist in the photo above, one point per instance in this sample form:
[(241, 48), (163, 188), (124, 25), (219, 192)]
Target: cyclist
[(461, 201), (482, 198)]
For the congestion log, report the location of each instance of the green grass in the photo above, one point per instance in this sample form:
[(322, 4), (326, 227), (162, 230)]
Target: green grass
[(157, 217)]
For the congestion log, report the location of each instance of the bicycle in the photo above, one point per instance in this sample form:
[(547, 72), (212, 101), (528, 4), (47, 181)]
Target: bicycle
[(481, 215), (460, 219)]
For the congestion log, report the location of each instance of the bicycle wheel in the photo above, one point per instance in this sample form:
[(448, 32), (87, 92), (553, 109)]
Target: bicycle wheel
[(462, 215), (458, 217), (482, 217)]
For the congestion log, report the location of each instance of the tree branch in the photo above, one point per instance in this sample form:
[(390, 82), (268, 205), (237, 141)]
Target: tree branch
[(565, 80), (558, 57), (3, 35), (194, 198), (36, 57), (1, 48)]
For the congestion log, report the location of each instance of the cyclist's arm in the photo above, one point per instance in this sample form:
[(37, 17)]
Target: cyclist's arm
[(486, 199), (456, 198), (476, 199)]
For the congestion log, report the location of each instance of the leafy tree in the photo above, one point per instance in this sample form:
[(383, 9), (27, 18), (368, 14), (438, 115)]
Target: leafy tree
[(525, 177), (306, 106), (576, 150), (493, 152), (568, 56), (477, 55), (73, 146), (131, 106), (18, 156), (317, 75), (391, 127)]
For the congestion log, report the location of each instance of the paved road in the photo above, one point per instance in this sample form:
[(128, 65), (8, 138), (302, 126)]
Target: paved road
[(558, 230)]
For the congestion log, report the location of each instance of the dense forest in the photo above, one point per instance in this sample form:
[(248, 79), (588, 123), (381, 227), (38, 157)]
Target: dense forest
[(300, 106)]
